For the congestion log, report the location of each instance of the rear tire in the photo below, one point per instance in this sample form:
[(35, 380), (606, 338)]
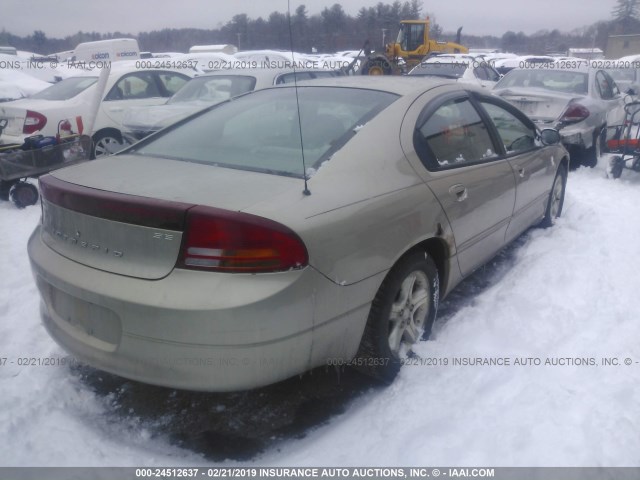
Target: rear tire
[(377, 66), (402, 313), (106, 143), (595, 154), (24, 194), (5, 188), (616, 166), (556, 198)]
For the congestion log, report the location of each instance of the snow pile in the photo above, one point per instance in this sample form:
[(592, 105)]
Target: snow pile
[(14, 84)]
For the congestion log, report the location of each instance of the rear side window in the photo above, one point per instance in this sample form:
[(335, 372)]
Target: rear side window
[(172, 82), (454, 135), (261, 131), (66, 89), (134, 86)]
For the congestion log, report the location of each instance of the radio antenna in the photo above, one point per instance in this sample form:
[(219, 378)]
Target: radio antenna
[(306, 190)]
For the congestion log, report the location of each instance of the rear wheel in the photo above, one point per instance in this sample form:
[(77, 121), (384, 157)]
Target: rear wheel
[(107, 143), (556, 198), (24, 194), (616, 166), (377, 66), (5, 188), (595, 154), (401, 314)]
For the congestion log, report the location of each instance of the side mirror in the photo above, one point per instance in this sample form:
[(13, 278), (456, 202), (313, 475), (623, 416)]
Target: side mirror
[(549, 136)]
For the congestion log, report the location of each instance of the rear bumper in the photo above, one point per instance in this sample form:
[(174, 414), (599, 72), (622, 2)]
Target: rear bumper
[(198, 330), (7, 139)]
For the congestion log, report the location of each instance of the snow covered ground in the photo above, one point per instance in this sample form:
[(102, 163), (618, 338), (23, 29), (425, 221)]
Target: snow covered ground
[(565, 293)]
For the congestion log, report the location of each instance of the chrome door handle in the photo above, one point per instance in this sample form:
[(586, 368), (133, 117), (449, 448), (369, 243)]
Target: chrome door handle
[(459, 191), (521, 172)]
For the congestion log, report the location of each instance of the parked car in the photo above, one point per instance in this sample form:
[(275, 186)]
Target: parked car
[(127, 85), (505, 65), (576, 101), (217, 255), (14, 85), (462, 68), (207, 90)]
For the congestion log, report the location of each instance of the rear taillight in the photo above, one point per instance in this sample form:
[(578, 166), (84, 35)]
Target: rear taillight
[(33, 122), (225, 241), (574, 113)]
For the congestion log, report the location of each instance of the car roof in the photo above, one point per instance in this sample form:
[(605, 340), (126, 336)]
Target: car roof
[(400, 85), (261, 73), (562, 66), (451, 57)]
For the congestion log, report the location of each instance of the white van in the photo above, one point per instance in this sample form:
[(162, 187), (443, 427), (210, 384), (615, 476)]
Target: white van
[(107, 50), (7, 50), (226, 48)]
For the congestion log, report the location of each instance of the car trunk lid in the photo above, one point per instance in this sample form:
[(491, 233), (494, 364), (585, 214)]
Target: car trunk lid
[(539, 105), (126, 214)]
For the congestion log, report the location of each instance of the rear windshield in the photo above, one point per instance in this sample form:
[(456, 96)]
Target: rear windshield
[(66, 89), (214, 89), (261, 131), (556, 80), (449, 70)]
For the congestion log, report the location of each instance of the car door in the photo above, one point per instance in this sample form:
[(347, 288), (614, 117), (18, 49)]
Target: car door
[(610, 101), (534, 166), (473, 183), (141, 88)]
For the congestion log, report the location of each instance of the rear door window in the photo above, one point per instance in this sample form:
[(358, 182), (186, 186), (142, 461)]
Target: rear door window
[(454, 135), (135, 86), (171, 82)]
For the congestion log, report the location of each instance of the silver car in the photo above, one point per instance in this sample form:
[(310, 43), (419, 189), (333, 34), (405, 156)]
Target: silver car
[(568, 96), (287, 229)]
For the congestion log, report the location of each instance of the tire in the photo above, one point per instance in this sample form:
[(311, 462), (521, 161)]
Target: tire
[(594, 154), (24, 194), (556, 198), (5, 188), (106, 143), (377, 66), (616, 166), (402, 313)]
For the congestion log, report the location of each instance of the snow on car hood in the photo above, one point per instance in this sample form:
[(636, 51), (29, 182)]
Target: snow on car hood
[(14, 85)]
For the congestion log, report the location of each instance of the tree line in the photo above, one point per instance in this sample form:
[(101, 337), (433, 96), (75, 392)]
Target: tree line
[(333, 29)]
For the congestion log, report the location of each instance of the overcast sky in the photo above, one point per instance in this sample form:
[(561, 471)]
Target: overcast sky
[(60, 18)]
